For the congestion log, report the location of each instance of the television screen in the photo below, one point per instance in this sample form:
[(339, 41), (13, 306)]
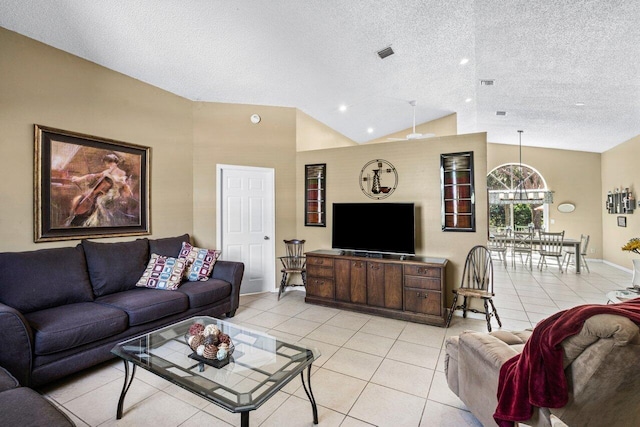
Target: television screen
[(374, 227)]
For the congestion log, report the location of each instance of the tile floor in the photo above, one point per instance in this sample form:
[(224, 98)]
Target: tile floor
[(373, 370)]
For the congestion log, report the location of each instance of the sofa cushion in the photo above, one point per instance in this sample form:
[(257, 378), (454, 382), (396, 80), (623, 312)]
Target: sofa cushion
[(144, 305), (29, 278), (201, 261), (115, 267), (168, 246), (68, 326), (204, 293), (163, 273), (7, 381), (25, 407)]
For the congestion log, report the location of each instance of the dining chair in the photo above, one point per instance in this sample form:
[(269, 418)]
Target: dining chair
[(498, 245), (522, 244), (550, 247), (570, 253), (293, 263), (477, 282)]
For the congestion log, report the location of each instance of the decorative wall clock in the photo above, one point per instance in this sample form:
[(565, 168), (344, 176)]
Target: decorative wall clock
[(378, 179)]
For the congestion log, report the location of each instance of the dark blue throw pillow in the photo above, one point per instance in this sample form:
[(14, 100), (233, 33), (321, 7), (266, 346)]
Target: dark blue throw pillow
[(115, 267)]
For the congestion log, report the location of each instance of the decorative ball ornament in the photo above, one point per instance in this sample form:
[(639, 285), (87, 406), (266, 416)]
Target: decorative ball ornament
[(378, 179), (209, 342)]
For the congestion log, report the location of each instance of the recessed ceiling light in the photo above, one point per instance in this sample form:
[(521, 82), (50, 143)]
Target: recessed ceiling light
[(464, 61), (467, 100), (579, 104), (342, 108), (369, 130)]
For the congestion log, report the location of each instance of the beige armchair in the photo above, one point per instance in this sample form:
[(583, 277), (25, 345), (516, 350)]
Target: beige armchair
[(602, 365)]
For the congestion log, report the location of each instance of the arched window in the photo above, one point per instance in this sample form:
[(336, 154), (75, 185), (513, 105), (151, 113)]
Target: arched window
[(518, 198)]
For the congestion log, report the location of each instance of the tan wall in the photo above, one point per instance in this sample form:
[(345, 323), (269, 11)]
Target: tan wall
[(313, 135), (223, 134), (418, 166), (444, 126), (574, 176), (620, 169), (43, 85)]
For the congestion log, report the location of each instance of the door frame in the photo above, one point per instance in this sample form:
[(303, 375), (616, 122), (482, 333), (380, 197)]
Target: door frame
[(220, 168)]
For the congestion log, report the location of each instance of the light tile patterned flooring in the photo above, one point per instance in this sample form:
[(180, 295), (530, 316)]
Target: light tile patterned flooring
[(373, 370)]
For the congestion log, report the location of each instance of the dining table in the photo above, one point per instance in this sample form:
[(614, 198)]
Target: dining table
[(567, 242)]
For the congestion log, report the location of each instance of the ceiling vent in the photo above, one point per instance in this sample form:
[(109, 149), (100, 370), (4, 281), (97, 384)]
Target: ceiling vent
[(501, 113), (387, 51), (487, 82)]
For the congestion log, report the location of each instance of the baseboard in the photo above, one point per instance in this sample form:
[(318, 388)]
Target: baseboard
[(619, 267)]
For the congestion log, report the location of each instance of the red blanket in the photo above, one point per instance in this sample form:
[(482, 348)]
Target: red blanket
[(536, 376)]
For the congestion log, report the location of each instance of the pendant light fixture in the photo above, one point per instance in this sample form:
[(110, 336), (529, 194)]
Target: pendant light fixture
[(519, 194)]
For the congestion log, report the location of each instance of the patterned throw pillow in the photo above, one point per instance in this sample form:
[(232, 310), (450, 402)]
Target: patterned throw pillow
[(200, 261), (163, 273)]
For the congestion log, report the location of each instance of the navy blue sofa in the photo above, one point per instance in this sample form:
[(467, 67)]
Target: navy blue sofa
[(62, 310), (21, 406)]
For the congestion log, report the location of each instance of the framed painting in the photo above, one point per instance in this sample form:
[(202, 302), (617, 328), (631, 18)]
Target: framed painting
[(88, 187), (622, 221)]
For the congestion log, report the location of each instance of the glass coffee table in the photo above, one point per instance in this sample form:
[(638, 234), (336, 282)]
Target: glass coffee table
[(258, 367), (622, 295)]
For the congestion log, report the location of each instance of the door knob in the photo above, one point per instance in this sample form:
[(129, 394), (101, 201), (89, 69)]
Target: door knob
[(266, 237)]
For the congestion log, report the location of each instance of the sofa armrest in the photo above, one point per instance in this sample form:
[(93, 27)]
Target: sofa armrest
[(601, 367), (16, 342), (232, 272), (480, 356)]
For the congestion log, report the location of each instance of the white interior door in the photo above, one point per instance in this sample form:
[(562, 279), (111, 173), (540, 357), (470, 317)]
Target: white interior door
[(246, 223)]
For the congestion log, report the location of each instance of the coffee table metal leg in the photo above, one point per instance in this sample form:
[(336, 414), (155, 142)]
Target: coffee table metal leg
[(244, 419), (310, 394), (125, 387)]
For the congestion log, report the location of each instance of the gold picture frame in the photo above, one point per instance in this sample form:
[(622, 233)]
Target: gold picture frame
[(89, 187)]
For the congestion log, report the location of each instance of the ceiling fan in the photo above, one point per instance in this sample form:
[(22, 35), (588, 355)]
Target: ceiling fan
[(413, 135)]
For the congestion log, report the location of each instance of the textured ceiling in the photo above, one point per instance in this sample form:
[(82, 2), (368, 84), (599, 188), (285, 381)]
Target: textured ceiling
[(315, 55)]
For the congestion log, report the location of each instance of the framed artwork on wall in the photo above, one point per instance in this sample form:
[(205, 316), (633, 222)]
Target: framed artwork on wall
[(88, 187), (622, 221)]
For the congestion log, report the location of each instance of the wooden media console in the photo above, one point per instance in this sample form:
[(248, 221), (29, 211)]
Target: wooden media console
[(407, 289)]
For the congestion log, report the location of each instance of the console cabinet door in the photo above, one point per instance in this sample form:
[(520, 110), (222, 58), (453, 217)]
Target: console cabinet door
[(375, 284), (393, 286), (384, 285), (358, 282), (342, 269)]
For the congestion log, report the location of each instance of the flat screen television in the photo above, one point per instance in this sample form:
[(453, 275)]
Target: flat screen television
[(384, 228)]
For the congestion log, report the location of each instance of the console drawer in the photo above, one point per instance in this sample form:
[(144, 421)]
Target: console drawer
[(421, 270), (422, 282), (319, 287), (424, 302), (320, 271), (314, 260)]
